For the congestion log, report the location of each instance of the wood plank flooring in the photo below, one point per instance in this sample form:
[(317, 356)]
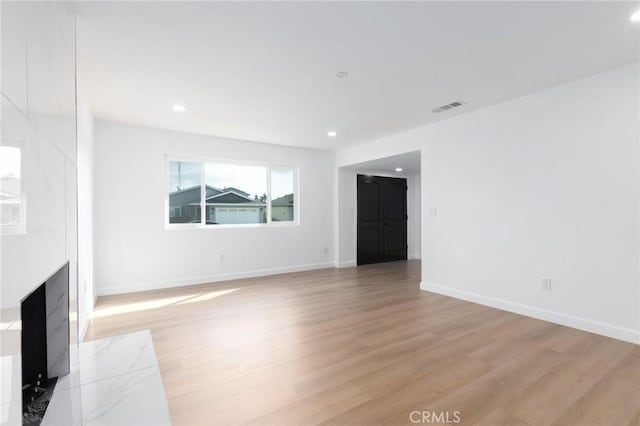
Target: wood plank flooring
[(364, 346)]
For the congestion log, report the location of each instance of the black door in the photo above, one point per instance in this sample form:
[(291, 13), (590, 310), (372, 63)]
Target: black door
[(382, 219)]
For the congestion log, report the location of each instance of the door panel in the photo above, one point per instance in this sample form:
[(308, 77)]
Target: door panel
[(370, 232), (396, 242), (395, 199), (382, 219), (370, 245), (395, 218), (369, 203)]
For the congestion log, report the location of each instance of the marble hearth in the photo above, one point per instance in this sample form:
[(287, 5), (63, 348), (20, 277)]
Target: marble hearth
[(116, 382)]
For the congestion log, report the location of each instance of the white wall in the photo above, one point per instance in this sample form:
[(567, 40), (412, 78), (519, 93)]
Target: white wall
[(347, 202), (86, 289), (414, 211), (347, 214), (542, 186), (39, 117), (134, 251)]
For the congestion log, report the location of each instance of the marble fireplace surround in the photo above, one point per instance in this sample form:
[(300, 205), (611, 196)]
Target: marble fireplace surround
[(45, 330), (54, 295), (113, 381)]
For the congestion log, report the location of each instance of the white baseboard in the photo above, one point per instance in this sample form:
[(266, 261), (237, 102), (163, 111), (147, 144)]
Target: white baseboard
[(85, 326), (597, 327), (352, 263), (183, 282), (83, 332)]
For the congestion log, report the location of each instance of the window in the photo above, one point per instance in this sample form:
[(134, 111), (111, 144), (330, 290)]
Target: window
[(229, 187), (184, 192), (230, 194), (282, 198)]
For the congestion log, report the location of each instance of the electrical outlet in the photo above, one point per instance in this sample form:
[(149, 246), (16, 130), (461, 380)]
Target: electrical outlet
[(222, 258), (433, 211), (325, 250), (546, 284)]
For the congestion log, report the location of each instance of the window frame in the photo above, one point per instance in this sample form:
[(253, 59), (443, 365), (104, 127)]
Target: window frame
[(209, 160)]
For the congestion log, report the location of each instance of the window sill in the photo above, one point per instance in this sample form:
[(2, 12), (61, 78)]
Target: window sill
[(190, 226)]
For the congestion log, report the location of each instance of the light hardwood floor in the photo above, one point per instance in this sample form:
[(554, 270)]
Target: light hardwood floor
[(366, 346)]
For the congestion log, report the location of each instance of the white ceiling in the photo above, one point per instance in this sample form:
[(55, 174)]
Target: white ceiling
[(266, 71), (409, 162)]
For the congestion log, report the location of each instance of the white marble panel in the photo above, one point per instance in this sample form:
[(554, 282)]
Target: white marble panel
[(10, 390), (13, 140), (11, 414), (13, 50), (71, 177), (10, 340), (51, 78), (38, 117), (114, 356), (10, 370), (31, 257), (119, 383), (15, 130), (133, 399), (65, 408)]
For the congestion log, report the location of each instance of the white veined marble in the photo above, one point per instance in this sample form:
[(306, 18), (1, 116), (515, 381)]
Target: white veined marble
[(115, 356), (11, 414), (65, 408), (132, 399), (38, 117), (119, 384), (10, 385)]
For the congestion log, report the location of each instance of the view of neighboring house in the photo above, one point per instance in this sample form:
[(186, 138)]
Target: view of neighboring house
[(232, 206), (223, 206), (282, 208), (10, 200)]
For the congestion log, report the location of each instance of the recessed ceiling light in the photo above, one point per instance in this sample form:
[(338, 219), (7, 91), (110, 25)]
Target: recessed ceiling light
[(398, 169), (635, 17), (332, 134), (179, 108), (342, 74)]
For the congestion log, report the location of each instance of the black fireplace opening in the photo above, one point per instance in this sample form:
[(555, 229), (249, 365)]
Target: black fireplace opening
[(45, 343)]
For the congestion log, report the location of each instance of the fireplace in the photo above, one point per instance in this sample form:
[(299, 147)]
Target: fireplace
[(45, 343)]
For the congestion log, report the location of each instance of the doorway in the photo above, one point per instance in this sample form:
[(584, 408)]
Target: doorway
[(381, 219)]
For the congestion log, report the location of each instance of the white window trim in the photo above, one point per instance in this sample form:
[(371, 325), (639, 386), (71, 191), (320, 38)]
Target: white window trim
[(202, 225)]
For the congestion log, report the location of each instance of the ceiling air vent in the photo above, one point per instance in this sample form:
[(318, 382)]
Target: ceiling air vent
[(448, 106)]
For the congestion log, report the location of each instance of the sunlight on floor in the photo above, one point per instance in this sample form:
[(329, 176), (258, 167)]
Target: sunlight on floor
[(207, 296), (159, 303)]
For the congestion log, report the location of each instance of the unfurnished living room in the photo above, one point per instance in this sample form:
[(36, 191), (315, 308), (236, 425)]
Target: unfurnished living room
[(320, 212)]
